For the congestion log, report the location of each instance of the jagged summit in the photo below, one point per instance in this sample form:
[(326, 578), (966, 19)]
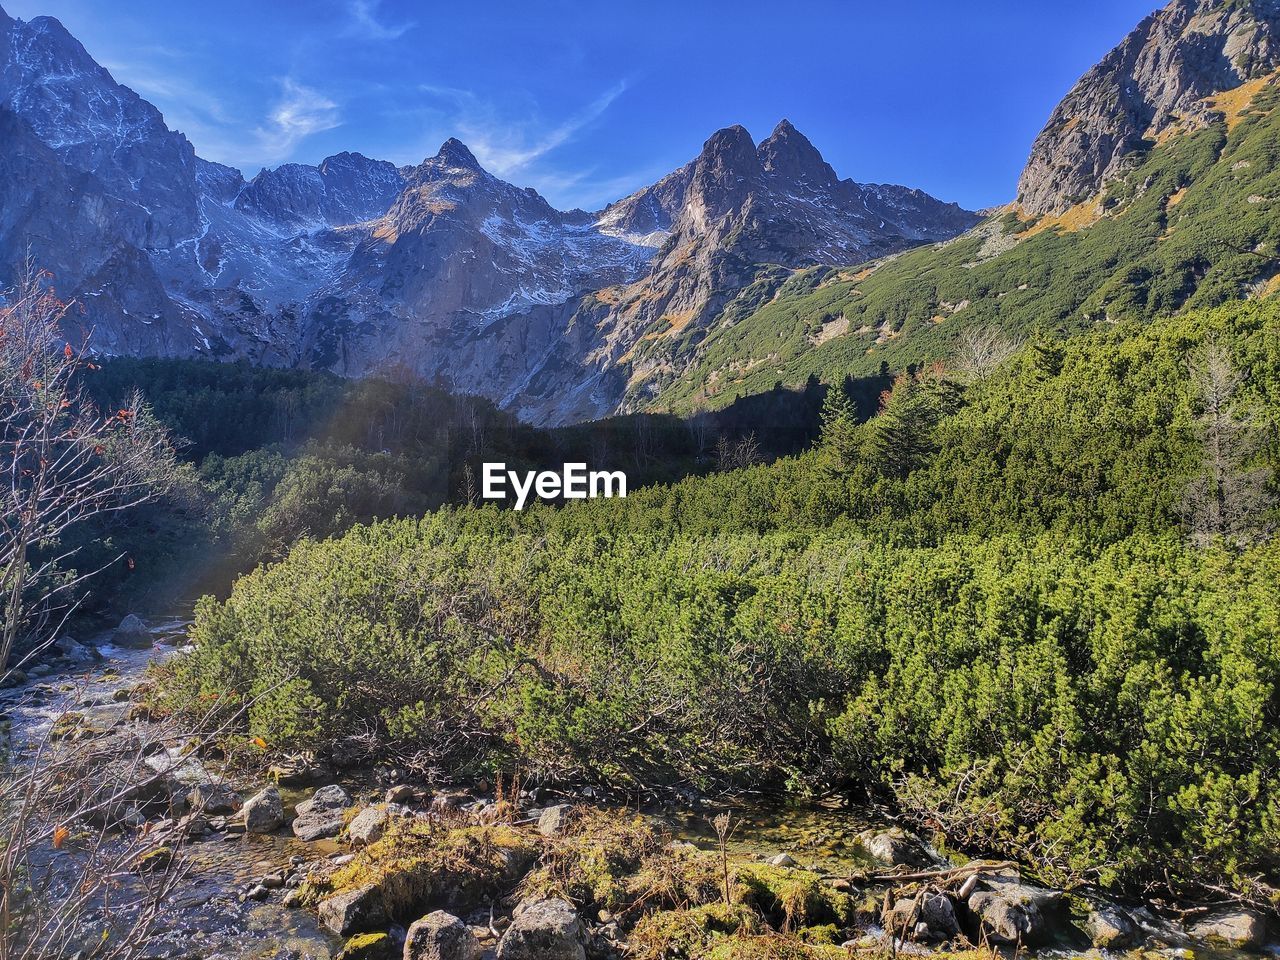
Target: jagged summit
[(789, 153), (454, 153), (354, 264)]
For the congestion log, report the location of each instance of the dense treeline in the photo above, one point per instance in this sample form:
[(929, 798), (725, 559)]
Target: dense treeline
[(984, 603), (277, 454)]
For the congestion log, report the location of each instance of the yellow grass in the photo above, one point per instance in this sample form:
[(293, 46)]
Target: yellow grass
[(1176, 198), (1235, 102), (1079, 217)]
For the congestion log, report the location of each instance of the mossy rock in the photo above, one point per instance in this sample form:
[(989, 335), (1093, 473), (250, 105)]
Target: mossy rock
[(154, 860), (771, 947), (688, 933), (369, 946), (415, 867), (792, 898)]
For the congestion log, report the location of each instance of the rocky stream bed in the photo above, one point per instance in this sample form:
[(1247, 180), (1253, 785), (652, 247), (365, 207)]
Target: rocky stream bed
[(320, 862)]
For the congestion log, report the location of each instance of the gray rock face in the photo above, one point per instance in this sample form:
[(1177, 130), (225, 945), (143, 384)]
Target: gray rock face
[(1110, 928), (344, 189), (356, 911), (264, 811), (544, 930), (1241, 929), (441, 936), (1160, 74)]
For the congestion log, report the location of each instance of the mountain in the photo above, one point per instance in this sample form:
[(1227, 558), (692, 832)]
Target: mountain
[(441, 269), (1161, 77), (1187, 217)]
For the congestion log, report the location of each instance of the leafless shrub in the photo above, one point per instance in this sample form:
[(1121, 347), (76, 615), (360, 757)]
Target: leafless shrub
[(1229, 499), (983, 349), (62, 461)]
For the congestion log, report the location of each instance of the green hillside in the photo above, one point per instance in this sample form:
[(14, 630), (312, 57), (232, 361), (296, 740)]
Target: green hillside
[(1195, 224), (1029, 610)]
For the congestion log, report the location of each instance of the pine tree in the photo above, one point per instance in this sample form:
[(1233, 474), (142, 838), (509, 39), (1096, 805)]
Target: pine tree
[(839, 438)]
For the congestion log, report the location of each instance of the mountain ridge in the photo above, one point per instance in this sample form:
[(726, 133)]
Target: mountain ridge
[(441, 269)]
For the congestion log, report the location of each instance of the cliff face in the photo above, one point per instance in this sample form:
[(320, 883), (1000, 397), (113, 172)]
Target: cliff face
[(1160, 75)]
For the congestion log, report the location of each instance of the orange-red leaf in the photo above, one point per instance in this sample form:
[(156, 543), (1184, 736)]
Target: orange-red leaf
[(60, 835)]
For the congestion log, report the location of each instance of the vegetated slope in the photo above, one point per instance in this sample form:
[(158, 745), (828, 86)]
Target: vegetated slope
[(984, 608), (1195, 224)]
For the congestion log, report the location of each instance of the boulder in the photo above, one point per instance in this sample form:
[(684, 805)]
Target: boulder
[(401, 793), (332, 797), (75, 651), (441, 936), (1241, 929), (932, 917), (322, 815), (132, 632), (369, 946), (895, 847), (355, 911), (544, 930), (263, 812), (368, 826), (214, 798), (1009, 911), (555, 820), (1110, 928), (782, 860), (298, 772)]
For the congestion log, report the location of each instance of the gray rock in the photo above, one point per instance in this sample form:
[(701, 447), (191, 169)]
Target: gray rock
[(782, 860), (441, 936), (214, 798), (258, 892), (75, 651), (321, 815), (1241, 929), (555, 820), (356, 911), (332, 797), (1012, 912), (401, 793), (263, 812), (132, 632), (933, 917), (318, 824), (544, 930), (368, 826), (895, 847), (1110, 928)]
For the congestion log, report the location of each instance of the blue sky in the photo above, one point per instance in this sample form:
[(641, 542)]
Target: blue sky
[(587, 101)]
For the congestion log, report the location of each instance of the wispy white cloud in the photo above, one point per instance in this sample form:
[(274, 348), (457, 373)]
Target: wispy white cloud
[(300, 112), (364, 22), (508, 150)]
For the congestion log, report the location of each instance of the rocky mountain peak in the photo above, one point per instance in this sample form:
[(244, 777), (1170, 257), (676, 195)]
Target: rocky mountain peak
[(1159, 76), (788, 153), (454, 153)]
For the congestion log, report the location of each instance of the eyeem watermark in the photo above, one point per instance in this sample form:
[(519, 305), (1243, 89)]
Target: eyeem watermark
[(574, 482)]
